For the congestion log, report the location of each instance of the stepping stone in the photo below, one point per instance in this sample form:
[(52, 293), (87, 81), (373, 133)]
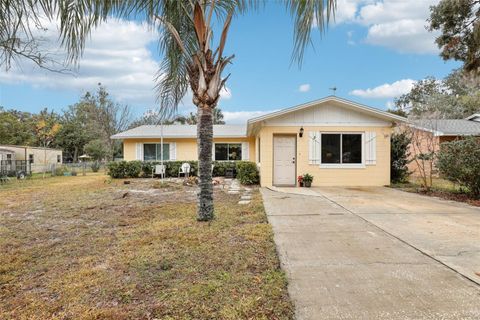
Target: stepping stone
[(248, 189), (246, 198), (244, 202), (233, 192)]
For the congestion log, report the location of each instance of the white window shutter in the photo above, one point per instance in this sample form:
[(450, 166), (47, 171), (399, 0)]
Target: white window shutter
[(245, 151), (139, 151), (370, 148), (213, 151), (314, 147), (173, 150)]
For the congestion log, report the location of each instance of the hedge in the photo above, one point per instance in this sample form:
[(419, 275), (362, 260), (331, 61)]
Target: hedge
[(124, 169), (246, 171)]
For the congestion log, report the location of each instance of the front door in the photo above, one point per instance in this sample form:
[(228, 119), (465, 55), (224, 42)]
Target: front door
[(284, 153)]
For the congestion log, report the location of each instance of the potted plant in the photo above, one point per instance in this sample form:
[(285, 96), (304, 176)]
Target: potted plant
[(300, 181), (307, 180)]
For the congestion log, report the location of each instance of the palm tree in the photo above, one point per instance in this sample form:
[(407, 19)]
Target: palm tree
[(190, 60)]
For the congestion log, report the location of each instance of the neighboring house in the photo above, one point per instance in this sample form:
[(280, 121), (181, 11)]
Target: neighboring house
[(36, 156), (338, 141), (429, 134)]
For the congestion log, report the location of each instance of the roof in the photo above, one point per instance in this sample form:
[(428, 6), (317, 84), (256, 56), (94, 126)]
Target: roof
[(449, 127), (181, 131), (474, 117), (240, 131), (28, 147), (373, 111)]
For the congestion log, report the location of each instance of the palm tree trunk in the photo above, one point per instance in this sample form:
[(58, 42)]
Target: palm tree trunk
[(204, 142)]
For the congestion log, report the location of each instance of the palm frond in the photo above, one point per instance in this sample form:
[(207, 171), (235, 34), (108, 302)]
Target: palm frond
[(78, 18), (308, 14)]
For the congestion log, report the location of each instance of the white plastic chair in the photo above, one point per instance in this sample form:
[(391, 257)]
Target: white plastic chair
[(160, 170), (184, 169)]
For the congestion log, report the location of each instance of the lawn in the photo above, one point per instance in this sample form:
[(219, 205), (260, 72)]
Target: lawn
[(87, 247)]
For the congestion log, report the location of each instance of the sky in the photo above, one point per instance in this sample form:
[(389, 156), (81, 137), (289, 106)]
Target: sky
[(372, 53)]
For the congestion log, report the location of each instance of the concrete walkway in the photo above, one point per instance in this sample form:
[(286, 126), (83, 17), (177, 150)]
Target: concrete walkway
[(370, 254)]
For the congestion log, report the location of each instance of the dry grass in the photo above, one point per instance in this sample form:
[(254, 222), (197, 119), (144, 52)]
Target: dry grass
[(441, 188), (88, 248)]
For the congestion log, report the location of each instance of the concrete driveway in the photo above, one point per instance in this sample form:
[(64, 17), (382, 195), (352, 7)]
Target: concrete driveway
[(377, 253)]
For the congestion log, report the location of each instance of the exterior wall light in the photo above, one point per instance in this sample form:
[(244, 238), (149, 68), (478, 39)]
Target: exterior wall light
[(300, 134)]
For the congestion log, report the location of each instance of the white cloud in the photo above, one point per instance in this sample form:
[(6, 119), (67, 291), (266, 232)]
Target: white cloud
[(241, 117), (304, 87), (386, 90), (116, 55), (403, 36), (226, 93), (396, 24), (346, 10)]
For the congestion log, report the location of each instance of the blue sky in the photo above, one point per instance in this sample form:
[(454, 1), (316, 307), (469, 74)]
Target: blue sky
[(372, 53)]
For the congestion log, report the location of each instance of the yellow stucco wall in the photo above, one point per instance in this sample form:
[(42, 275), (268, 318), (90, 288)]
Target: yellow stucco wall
[(186, 148), (371, 175)]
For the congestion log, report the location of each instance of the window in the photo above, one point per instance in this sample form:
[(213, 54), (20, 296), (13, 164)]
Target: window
[(9, 156), (152, 151), (59, 158), (341, 148), (30, 158), (228, 151)]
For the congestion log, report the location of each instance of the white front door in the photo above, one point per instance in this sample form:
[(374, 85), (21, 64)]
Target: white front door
[(284, 153)]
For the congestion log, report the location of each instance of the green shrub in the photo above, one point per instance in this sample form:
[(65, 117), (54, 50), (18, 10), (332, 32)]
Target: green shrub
[(95, 166), (133, 169), (124, 169), (220, 167), (459, 161), (147, 168), (116, 169), (399, 157), (247, 172), (171, 167)]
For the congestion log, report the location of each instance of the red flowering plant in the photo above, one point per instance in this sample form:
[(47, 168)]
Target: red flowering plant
[(300, 180)]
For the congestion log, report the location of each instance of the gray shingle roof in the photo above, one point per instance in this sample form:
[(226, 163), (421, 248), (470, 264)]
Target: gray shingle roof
[(450, 127), (182, 131)]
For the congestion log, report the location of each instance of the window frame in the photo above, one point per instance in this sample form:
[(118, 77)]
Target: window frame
[(228, 148), (343, 165), (157, 145)]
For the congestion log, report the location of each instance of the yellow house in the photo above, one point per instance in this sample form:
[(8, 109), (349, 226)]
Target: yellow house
[(339, 142)]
